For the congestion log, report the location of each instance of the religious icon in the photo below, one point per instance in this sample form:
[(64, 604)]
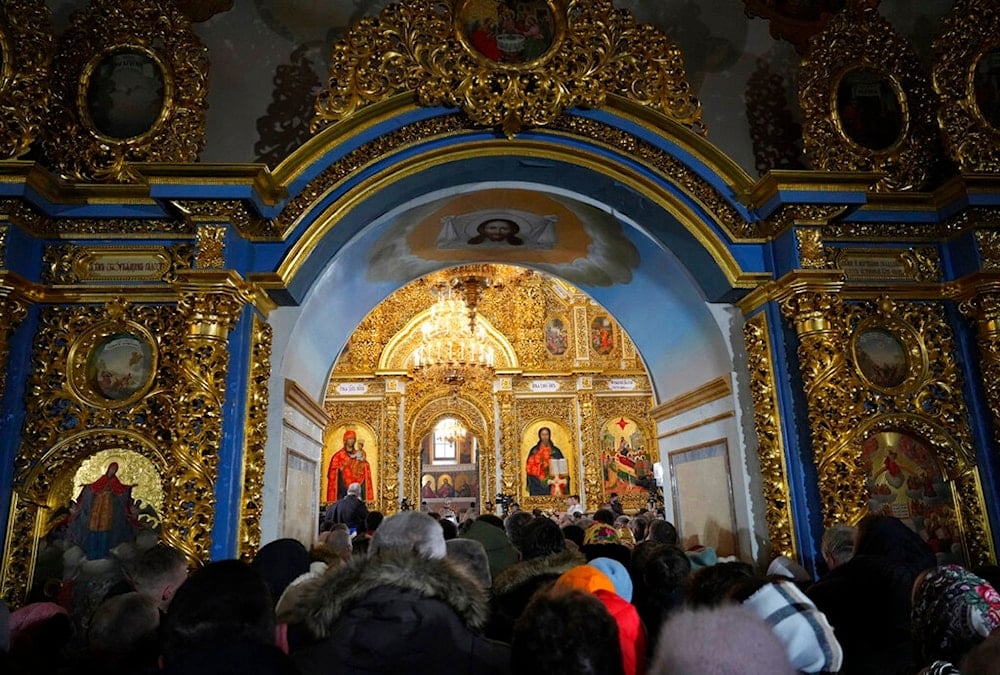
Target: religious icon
[(881, 358), (120, 366), (546, 467), (125, 94), (103, 516), (626, 464), (556, 337), (602, 337), (869, 109), (349, 465), (904, 481), (508, 31)]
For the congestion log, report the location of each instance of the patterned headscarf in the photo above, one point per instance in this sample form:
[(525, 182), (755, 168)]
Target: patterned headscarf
[(953, 611), (600, 533)]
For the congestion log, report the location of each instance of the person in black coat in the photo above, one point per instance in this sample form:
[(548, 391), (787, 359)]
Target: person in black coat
[(866, 594), (405, 609), (349, 510)]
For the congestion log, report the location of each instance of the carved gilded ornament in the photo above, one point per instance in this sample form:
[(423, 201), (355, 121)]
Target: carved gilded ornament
[(26, 48), (389, 452), (988, 243), (4, 234), (433, 50), (770, 445), (919, 382), (13, 310), (866, 105), (983, 308), (52, 446), (144, 50), (209, 307), (258, 395), (211, 247), (966, 57), (809, 242)]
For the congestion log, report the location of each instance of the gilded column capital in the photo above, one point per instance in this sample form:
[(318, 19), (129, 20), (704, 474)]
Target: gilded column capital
[(811, 311), (211, 301)]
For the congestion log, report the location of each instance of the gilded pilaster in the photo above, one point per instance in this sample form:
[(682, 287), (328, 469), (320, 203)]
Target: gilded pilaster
[(252, 500), (592, 478), (984, 309), (13, 310), (770, 447), (389, 449), (509, 465), (210, 304), (818, 317)]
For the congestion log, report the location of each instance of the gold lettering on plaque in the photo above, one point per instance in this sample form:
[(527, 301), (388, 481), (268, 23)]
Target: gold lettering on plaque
[(122, 264)]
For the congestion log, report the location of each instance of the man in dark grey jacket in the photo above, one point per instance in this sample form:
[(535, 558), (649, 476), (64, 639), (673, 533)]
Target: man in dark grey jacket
[(405, 609)]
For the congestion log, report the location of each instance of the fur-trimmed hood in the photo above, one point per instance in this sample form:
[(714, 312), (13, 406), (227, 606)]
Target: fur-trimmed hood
[(441, 579), (526, 571)]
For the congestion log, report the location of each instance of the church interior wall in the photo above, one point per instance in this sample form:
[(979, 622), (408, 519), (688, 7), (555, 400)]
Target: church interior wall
[(860, 363)]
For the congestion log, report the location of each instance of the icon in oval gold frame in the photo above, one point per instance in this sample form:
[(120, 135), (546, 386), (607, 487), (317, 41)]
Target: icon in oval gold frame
[(114, 364), (510, 35), (889, 356), (124, 93), (870, 109)]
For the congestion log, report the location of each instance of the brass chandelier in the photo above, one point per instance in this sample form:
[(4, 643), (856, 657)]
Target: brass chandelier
[(453, 349)]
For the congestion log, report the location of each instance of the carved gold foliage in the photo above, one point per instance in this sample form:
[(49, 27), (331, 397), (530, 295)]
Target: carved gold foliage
[(598, 50), (27, 57), (988, 243), (818, 318), (967, 34), (770, 446), (231, 211), (809, 242), (4, 233), (593, 478), (859, 38), (510, 444), (792, 214), (974, 520), (71, 141), (389, 453), (211, 247), (984, 309), (209, 309), (843, 408), (13, 311), (18, 563), (258, 395)]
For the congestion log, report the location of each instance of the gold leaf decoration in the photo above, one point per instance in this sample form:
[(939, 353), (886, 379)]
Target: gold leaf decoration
[(418, 46), (969, 33), (858, 39), (24, 89)]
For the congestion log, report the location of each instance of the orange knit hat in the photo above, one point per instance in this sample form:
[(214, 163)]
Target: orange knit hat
[(586, 578)]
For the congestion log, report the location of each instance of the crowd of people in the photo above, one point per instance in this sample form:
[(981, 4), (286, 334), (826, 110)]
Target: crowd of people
[(570, 593)]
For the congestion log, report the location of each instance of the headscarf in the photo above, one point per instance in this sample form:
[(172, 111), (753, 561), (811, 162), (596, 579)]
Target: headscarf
[(953, 611), (808, 637), (600, 533), (617, 573)]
